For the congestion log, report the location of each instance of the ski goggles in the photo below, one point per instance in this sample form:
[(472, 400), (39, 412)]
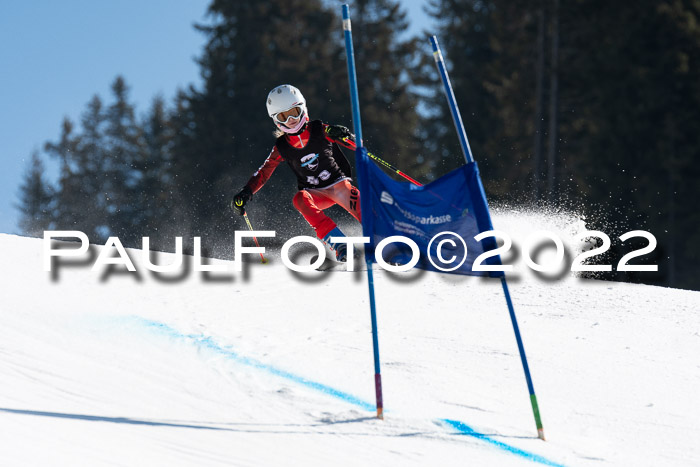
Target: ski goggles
[(287, 115)]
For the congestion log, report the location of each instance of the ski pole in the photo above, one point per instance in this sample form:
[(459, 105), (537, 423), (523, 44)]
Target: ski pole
[(385, 164), (250, 226), (395, 170)]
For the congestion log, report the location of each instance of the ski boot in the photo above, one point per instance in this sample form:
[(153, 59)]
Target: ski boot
[(340, 249)]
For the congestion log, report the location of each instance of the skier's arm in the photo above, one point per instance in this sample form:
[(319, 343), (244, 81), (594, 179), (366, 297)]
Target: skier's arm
[(340, 134), (256, 181), (263, 174)]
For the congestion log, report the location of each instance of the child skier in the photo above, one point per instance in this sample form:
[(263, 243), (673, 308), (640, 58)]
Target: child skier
[(311, 150)]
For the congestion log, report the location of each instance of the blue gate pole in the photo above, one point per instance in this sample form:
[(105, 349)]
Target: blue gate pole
[(464, 143), (362, 174)]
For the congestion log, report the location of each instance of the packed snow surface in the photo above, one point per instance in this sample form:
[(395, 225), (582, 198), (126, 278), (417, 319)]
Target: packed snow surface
[(268, 367)]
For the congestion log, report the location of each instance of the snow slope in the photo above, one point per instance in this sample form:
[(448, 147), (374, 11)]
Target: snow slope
[(266, 368)]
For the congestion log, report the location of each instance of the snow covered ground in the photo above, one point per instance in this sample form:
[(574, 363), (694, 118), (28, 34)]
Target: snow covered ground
[(266, 368)]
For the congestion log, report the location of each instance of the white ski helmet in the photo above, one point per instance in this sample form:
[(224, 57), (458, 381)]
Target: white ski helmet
[(283, 99)]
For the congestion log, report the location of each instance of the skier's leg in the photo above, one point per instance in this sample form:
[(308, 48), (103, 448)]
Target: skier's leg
[(347, 196), (311, 207)]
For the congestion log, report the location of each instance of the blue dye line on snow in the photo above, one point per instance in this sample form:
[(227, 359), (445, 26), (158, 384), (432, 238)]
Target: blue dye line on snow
[(209, 344), (469, 431)]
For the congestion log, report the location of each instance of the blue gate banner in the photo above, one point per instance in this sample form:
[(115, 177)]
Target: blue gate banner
[(442, 217)]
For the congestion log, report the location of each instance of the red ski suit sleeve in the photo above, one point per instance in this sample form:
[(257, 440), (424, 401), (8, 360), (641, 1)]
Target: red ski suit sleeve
[(263, 174)]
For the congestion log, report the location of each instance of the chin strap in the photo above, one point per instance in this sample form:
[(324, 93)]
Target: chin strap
[(301, 130)]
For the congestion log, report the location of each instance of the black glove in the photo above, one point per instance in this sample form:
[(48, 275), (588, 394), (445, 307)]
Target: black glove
[(339, 132), (240, 199)]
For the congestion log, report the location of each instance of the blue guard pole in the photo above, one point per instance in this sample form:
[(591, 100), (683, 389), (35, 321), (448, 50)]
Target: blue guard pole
[(361, 160), (456, 117)]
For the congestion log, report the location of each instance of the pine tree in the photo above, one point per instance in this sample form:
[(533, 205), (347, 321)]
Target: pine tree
[(68, 215), (155, 188), (89, 175), (82, 194), (463, 33), (123, 172), (36, 200), (490, 51), (388, 101)]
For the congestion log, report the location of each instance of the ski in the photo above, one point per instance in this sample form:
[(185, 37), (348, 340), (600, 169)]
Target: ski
[(330, 264)]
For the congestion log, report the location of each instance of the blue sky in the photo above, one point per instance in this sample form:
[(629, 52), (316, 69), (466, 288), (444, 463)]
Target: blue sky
[(56, 55)]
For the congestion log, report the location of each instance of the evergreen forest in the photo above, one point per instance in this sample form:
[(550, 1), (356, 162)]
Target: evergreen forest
[(584, 105)]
